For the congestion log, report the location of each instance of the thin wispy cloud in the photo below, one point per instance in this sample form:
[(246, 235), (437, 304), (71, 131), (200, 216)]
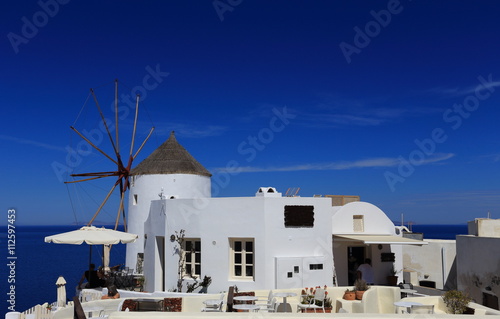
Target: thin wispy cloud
[(482, 199), (333, 111), (191, 130), (381, 162), (31, 142), (337, 120), (456, 91)]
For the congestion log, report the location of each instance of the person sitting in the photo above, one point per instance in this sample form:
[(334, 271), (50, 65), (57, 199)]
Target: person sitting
[(112, 293), (93, 277)]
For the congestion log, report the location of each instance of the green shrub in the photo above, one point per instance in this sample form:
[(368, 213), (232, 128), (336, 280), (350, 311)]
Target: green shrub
[(456, 301)]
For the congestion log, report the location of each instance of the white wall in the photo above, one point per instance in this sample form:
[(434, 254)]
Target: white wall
[(261, 218), (375, 220), (148, 188), (484, 227), (434, 262), (154, 226), (478, 265)]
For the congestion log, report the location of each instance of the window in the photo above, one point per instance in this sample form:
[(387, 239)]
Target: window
[(192, 257), (358, 223), (299, 216), (242, 258), (135, 199), (315, 266)]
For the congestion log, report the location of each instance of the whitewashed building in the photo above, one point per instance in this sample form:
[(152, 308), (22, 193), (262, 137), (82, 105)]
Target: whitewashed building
[(267, 241), (169, 172), (478, 261)]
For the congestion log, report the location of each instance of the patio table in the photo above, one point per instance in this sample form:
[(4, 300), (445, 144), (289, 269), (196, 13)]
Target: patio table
[(245, 298), (246, 307), (285, 306)]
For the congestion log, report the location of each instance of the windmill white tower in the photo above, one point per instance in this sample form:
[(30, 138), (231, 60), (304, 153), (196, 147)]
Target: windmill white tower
[(171, 172)]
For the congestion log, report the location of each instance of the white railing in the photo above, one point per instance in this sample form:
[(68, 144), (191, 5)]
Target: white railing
[(90, 295), (36, 312)]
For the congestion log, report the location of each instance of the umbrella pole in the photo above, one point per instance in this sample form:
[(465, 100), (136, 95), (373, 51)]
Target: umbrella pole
[(90, 258)]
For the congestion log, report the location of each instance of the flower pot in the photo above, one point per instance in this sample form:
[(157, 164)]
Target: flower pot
[(469, 311), (359, 294), (350, 295)]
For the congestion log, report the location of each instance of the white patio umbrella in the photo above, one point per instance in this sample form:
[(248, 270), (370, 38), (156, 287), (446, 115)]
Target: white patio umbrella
[(93, 236), (61, 292)]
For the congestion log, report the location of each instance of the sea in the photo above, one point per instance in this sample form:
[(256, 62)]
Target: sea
[(31, 277)]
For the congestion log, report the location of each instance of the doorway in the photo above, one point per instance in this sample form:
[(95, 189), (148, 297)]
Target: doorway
[(355, 257), (160, 263)]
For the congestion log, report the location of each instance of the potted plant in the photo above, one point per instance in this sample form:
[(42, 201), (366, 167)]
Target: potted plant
[(307, 295), (327, 303), (349, 294), (392, 279), (139, 283), (360, 286), (456, 301)]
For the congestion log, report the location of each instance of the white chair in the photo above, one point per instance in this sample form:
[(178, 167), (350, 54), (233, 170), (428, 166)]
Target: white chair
[(214, 307), (319, 298), (265, 305), (422, 309), (271, 307)]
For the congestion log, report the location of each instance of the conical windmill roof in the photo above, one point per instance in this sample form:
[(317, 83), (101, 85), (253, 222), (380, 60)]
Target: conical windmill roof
[(170, 158)]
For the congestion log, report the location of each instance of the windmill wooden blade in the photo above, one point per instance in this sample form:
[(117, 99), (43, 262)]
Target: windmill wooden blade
[(95, 174), (135, 123), (122, 173), (104, 122), (102, 205), (116, 118), (92, 144), (143, 143), (88, 179)]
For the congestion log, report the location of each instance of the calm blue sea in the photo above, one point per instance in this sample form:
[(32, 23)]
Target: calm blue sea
[(440, 231), (39, 264)]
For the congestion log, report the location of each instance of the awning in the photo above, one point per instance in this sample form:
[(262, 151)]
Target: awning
[(381, 239)]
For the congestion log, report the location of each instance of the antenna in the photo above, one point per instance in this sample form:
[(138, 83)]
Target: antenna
[(292, 191)]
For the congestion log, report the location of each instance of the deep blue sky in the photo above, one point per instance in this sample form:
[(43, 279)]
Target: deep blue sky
[(353, 118)]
